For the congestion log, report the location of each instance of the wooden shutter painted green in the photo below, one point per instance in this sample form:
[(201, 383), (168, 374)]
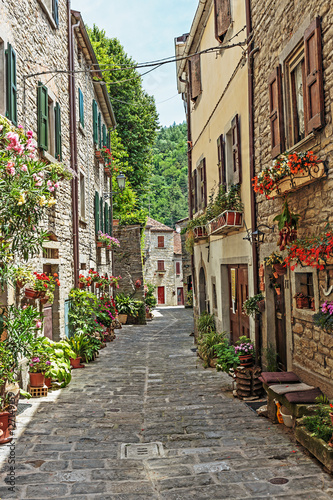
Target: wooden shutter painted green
[(57, 121), (11, 112), (104, 135), (108, 140), (55, 11), (95, 122), (101, 225), (81, 108), (106, 218), (99, 130), (110, 221), (96, 212), (43, 116)]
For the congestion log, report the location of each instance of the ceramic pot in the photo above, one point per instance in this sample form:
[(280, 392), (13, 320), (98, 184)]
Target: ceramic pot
[(48, 382), (37, 379), (246, 360), (302, 303), (76, 363), (6, 422), (44, 301), (31, 294)]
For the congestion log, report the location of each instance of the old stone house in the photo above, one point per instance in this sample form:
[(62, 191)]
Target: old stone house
[(292, 103), (213, 83), (46, 85), (163, 263)]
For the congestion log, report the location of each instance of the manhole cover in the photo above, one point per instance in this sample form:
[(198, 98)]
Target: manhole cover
[(279, 480), (21, 407), (141, 451)]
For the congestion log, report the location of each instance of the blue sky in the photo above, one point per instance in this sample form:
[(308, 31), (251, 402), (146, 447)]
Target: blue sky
[(146, 29)]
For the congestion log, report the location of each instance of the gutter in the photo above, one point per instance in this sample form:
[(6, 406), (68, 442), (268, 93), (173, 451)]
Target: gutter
[(250, 52)]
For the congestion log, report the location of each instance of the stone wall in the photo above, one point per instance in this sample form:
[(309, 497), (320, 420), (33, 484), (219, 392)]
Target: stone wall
[(277, 26), (128, 260)]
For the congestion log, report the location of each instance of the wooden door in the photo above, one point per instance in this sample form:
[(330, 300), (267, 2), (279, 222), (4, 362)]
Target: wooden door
[(180, 296), (280, 326), (160, 295), (238, 293)]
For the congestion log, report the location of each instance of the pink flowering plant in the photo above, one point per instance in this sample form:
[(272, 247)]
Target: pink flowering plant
[(39, 363), (324, 318), (244, 346), (108, 240)]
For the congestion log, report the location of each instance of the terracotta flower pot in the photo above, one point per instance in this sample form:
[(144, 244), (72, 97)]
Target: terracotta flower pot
[(278, 291), (41, 295), (31, 294), (280, 269), (82, 285), (108, 247), (6, 422), (76, 363), (302, 303), (44, 301), (37, 379), (246, 360), (238, 218), (122, 318), (99, 244), (48, 382)]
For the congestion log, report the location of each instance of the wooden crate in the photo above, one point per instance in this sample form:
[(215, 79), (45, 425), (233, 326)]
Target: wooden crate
[(38, 392)]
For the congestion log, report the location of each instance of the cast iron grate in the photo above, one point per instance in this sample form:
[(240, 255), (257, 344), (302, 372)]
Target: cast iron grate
[(141, 451), (254, 405), (21, 407), (279, 480)]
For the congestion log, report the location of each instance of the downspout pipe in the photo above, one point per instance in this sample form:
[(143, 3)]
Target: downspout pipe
[(250, 52), (73, 142)]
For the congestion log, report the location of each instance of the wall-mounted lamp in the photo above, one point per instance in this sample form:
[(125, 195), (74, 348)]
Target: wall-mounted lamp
[(121, 181), (257, 236)]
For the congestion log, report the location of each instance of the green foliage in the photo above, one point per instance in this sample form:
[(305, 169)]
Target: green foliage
[(250, 305), (135, 110), (82, 310), (320, 424), (226, 356), (125, 304), (207, 345), (324, 318), (150, 299), (206, 323), (135, 217), (287, 218), (168, 185), (271, 358)]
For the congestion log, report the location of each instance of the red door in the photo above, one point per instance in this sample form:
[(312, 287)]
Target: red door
[(180, 296), (160, 295)]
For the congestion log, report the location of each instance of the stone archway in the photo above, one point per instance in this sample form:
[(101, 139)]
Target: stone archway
[(202, 290)]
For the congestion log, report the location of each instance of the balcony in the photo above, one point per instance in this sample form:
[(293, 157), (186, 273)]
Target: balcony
[(200, 233), (227, 221)]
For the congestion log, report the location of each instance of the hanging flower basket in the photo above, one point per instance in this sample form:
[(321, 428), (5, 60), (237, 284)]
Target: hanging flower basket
[(31, 294)]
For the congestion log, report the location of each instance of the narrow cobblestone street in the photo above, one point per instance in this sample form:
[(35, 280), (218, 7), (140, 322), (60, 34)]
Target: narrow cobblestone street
[(148, 386)]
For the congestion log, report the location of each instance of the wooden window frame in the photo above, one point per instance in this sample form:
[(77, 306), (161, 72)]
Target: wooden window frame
[(160, 242), (160, 265), (221, 160), (194, 66), (42, 116), (178, 269)]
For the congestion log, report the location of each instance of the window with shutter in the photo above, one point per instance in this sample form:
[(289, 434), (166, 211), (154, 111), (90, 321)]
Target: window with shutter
[(221, 160), (81, 108), (55, 11), (195, 76), (313, 77), (95, 122), (43, 109), (82, 196), (99, 130), (104, 135), (276, 111), (236, 151), (106, 218), (11, 96), (203, 184), (101, 214), (110, 221), (160, 265), (97, 220), (195, 184), (160, 241), (57, 126), (222, 13)]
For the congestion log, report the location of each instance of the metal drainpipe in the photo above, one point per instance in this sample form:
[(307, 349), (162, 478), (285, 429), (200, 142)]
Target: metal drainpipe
[(255, 256), (73, 142)]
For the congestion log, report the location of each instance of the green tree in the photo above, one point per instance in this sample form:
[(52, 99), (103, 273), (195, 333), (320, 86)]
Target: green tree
[(134, 109)]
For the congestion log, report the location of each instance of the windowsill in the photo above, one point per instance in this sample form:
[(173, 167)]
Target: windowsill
[(81, 129), (159, 271), (303, 143), (49, 157), (160, 248), (304, 314), (83, 221), (48, 14)]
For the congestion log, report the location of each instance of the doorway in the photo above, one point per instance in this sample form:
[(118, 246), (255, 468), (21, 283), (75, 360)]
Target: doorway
[(280, 325), (161, 295), (180, 296), (202, 291), (238, 293)]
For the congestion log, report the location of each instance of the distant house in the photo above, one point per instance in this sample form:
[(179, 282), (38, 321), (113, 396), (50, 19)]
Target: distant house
[(163, 263)]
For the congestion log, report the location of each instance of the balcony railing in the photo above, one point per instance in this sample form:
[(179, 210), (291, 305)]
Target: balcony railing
[(229, 220), (200, 232)]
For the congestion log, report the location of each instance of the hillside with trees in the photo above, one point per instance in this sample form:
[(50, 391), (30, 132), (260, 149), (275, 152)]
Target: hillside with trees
[(167, 197)]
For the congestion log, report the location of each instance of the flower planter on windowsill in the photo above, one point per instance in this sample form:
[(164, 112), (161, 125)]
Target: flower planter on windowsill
[(302, 303), (99, 244), (293, 183), (226, 221)]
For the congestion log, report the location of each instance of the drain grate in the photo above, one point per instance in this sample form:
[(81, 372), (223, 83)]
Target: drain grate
[(278, 480), (21, 407), (141, 451)]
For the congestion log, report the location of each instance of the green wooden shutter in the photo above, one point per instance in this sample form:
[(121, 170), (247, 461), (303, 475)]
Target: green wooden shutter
[(110, 221), (43, 116), (96, 212), (108, 140), (81, 108), (104, 135), (106, 218), (95, 122), (57, 121), (55, 11), (11, 112), (99, 130), (101, 214)]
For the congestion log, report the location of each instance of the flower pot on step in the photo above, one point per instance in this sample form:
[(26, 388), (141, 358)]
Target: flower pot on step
[(76, 363), (37, 379), (6, 423)]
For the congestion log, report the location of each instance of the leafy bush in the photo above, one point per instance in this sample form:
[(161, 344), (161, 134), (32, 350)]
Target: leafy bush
[(150, 299), (226, 356), (206, 323), (250, 305), (207, 346), (320, 424), (125, 304)]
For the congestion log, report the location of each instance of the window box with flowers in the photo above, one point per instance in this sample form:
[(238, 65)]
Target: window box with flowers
[(289, 172), (324, 318), (105, 240), (84, 281), (313, 251), (42, 286)]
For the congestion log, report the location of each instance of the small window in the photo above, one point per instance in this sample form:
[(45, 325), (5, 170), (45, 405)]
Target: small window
[(160, 241), (51, 9), (233, 163), (82, 196), (178, 268), (160, 265), (203, 184), (194, 187), (304, 296), (81, 108), (297, 100), (221, 160)]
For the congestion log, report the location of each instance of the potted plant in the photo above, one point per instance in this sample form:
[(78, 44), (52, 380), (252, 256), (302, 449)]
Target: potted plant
[(287, 224), (125, 307), (7, 363), (78, 344), (112, 243), (84, 281), (244, 348), (276, 260), (44, 283), (251, 305), (22, 276), (150, 299), (324, 318), (302, 301), (37, 368)]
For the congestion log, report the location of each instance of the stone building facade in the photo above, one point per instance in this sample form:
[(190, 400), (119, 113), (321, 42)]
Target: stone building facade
[(213, 84), (38, 37), (293, 98), (186, 264), (163, 263)]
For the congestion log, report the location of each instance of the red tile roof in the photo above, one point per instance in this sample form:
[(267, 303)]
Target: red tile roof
[(154, 225)]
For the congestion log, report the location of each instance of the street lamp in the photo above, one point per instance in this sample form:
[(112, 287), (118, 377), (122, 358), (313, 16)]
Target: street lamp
[(121, 181)]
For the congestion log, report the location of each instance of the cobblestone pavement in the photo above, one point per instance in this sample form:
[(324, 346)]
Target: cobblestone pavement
[(148, 386)]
